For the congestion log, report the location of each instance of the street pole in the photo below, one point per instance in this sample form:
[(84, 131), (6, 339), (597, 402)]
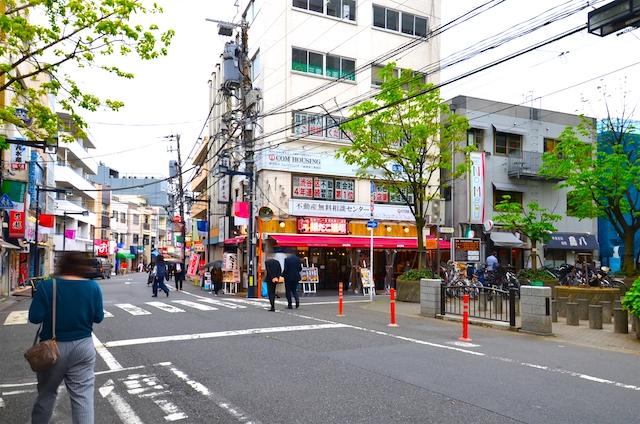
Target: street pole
[(372, 287), (64, 231), (36, 254), (247, 134), (181, 204)]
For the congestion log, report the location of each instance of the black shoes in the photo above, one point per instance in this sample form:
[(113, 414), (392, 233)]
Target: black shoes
[(155, 295), (297, 305), (272, 310), (289, 307)]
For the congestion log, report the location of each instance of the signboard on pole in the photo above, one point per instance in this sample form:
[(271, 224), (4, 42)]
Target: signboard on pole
[(194, 260), (16, 224), (465, 249), (101, 247), (476, 188)]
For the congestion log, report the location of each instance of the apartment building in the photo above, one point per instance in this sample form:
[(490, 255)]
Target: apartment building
[(510, 140), (307, 58)]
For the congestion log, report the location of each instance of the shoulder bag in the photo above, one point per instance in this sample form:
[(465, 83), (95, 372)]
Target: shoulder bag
[(42, 356)]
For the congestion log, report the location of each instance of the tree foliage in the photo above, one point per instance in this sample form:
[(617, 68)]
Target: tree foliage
[(533, 221), (40, 40), (404, 145), (604, 177)]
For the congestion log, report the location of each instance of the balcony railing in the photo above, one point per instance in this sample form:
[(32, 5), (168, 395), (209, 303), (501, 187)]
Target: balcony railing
[(526, 166)]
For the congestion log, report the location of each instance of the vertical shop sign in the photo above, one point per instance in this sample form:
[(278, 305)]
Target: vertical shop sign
[(476, 188), (16, 224), (194, 260)]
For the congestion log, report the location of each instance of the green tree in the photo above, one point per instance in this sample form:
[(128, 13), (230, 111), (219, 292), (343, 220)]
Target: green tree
[(604, 177), (404, 138), (533, 221), (42, 41)]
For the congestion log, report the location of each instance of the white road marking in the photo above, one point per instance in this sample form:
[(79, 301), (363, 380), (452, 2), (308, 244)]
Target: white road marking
[(217, 302), (18, 392), (169, 408), (165, 307), (31, 383), (195, 305), (126, 414), (222, 403), (107, 314), (132, 309), (332, 302), (256, 302), (463, 344), (17, 317), (1, 403), (116, 370), (106, 356), (218, 334), (149, 387)]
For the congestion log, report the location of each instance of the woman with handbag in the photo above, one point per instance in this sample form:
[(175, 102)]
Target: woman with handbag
[(67, 306)]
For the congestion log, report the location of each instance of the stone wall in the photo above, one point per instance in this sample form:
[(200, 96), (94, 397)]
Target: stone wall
[(535, 309)]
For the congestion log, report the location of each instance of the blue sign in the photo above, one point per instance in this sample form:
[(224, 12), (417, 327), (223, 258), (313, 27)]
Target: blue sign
[(5, 202), (373, 224), (24, 116)]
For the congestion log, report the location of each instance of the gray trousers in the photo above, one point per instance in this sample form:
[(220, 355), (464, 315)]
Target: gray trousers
[(76, 367)]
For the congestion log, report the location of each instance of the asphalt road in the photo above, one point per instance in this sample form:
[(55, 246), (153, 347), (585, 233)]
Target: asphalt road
[(197, 358)]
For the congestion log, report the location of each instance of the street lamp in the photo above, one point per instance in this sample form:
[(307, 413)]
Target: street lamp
[(36, 257), (64, 226)]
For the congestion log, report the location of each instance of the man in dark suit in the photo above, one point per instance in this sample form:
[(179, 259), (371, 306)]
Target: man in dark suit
[(291, 274), (274, 271)]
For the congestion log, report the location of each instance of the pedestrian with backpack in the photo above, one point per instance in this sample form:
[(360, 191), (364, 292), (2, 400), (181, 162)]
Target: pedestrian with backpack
[(161, 275)]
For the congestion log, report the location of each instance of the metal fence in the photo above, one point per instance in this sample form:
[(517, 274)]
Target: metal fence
[(484, 302)]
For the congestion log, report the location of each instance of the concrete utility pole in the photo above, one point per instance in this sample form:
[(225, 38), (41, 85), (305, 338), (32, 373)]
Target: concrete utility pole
[(180, 195), (248, 142)]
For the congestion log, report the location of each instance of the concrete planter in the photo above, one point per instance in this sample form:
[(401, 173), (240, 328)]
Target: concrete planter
[(593, 294), (408, 291), (430, 297)]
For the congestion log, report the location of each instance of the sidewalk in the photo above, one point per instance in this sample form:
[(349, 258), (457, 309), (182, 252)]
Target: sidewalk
[(582, 335)]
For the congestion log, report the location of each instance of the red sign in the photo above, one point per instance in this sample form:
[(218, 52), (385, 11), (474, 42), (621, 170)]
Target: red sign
[(102, 247), (322, 225), (194, 260), (16, 224)]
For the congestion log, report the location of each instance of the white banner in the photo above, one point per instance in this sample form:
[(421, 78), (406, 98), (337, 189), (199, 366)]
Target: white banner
[(301, 207), (223, 189), (307, 162), (476, 188)]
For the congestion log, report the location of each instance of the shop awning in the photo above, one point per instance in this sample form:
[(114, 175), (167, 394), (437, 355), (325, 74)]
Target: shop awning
[(506, 240), (509, 187), (509, 129), (7, 245), (572, 241), (235, 240), (314, 240), (125, 255)]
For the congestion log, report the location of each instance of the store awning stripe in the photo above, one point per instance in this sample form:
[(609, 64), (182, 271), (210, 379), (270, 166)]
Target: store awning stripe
[(308, 240), (235, 240)]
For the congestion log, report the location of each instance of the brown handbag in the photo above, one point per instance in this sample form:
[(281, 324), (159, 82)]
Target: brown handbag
[(42, 356)]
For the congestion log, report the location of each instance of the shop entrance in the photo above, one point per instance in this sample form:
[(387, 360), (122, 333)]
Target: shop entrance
[(333, 266)]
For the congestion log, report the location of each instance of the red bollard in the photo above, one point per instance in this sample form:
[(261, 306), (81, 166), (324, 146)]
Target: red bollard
[(340, 305), (392, 307), (465, 319)]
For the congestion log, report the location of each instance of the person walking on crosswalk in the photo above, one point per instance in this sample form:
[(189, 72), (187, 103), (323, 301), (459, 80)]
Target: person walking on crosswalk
[(78, 305), (161, 275), (273, 277), (291, 274)]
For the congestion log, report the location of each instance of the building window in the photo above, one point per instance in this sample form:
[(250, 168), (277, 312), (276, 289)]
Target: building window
[(136, 219), (550, 145), (475, 137), (555, 258), (318, 64), (342, 9), (508, 144), (571, 204), (320, 126), (256, 66), (136, 239), (382, 194), (323, 188), (376, 76), (123, 217), (406, 23), (514, 197)]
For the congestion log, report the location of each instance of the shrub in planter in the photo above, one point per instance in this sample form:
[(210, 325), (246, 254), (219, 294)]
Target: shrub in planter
[(416, 274), (631, 299)]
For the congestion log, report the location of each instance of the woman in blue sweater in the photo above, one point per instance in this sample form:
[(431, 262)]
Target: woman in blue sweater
[(79, 306)]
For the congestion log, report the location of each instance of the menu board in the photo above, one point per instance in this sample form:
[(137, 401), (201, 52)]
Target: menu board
[(309, 275), (364, 277), (465, 249)]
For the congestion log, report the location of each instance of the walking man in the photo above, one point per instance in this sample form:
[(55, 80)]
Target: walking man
[(160, 275), (179, 275), (291, 274), (274, 271)]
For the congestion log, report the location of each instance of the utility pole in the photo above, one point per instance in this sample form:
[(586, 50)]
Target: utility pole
[(180, 198), (248, 141)]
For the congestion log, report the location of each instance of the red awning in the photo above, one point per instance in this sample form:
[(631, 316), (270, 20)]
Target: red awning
[(235, 240), (315, 240)]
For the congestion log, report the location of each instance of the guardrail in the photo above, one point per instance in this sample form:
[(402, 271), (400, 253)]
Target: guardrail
[(484, 302)]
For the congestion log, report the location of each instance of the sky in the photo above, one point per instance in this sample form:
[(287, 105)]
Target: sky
[(580, 74)]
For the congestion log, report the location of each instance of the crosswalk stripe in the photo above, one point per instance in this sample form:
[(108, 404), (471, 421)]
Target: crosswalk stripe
[(132, 309), (17, 317), (165, 307), (250, 302), (107, 314), (221, 303), (195, 305)]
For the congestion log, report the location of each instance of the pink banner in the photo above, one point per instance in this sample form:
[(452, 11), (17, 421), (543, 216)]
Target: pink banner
[(70, 234), (192, 269)]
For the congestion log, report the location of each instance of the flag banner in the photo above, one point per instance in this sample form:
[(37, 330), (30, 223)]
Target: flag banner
[(16, 224), (194, 260), (16, 191), (70, 234), (46, 220), (202, 226), (241, 209)]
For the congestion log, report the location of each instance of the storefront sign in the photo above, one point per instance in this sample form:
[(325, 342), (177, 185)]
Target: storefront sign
[(476, 188), (16, 224), (101, 247), (198, 246), (302, 207), (465, 249), (194, 260), (18, 160), (223, 189), (308, 162), (322, 225)]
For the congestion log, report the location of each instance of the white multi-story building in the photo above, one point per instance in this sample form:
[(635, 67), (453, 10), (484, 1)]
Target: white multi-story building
[(308, 57), (74, 210), (510, 141)]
